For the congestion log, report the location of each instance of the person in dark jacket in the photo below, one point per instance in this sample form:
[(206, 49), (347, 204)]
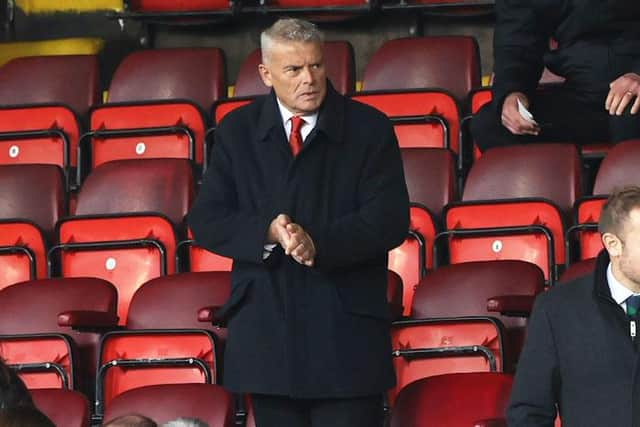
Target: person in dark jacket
[(307, 209), (598, 53), (581, 356)]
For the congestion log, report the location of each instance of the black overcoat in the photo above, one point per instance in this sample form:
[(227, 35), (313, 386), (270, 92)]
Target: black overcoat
[(293, 330)]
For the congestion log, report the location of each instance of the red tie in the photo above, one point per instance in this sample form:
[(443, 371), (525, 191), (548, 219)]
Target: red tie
[(295, 139)]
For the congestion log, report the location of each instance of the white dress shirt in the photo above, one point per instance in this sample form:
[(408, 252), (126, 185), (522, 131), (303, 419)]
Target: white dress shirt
[(310, 121), (619, 292)]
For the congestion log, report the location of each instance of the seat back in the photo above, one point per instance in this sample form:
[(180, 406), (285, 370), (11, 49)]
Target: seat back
[(44, 202), (200, 259), (339, 62), (30, 331), (450, 63), (430, 176), (453, 400), (195, 74), (421, 118), (71, 80), (578, 269), (206, 402), (619, 168), (549, 171), (181, 6), (64, 407), (164, 186)]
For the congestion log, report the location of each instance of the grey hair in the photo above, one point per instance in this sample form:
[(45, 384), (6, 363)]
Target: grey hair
[(186, 422), (289, 30)]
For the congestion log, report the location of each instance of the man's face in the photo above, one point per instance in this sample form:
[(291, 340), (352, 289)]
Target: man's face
[(296, 72), (625, 254)]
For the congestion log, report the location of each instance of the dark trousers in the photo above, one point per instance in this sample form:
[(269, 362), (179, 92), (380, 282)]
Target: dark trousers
[(573, 111), (280, 411)]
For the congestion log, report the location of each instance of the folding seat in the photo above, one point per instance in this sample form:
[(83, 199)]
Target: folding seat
[(158, 117), (207, 402), (165, 340), (43, 99), (453, 400), (420, 117), (28, 218), (452, 326), (129, 236), (585, 229), (514, 206), (64, 407), (41, 329), (450, 63), (179, 9), (430, 176), (339, 62)]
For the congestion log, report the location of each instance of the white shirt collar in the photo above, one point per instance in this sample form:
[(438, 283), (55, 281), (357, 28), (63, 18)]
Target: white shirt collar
[(619, 292), (309, 119)]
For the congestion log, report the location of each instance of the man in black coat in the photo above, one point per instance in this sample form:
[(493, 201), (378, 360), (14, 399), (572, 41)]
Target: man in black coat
[(309, 234), (599, 55), (581, 355)]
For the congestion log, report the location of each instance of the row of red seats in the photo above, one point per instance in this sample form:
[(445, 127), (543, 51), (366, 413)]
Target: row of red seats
[(127, 225), (44, 121), (69, 323)]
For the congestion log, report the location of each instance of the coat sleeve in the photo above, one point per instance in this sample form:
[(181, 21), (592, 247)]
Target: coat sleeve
[(381, 221), (215, 219), (537, 382), (520, 40)]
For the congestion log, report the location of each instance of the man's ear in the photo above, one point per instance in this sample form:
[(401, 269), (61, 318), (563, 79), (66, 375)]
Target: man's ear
[(612, 244), (265, 75)]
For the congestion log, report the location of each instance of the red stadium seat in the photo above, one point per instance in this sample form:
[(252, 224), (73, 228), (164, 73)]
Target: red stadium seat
[(459, 290), (161, 116), (619, 168), (450, 63), (515, 203), (421, 118), (453, 400), (129, 237), (339, 63), (27, 219), (40, 98), (178, 6), (159, 349), (162, 403), (35, 333), (63, 407), (428, 347)]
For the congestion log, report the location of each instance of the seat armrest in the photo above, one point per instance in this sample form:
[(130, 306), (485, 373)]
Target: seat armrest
[(87, 319), (208, 314), (511, 305)]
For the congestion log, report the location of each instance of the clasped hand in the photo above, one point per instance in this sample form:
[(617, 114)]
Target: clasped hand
[(295, 241)]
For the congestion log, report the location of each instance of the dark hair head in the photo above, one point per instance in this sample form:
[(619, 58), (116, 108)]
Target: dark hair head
[(617, 209), (13, 392), (24, 416)]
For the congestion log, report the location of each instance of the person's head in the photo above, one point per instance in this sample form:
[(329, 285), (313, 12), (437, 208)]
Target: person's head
[(620, 230), (293, 64), (186, 422), (24, 416), (131, 420), (13, 392)]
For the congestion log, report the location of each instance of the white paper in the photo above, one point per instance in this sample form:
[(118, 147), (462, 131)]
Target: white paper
[(526, 114)]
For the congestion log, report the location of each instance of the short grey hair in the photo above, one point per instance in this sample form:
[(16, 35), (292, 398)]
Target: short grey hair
[(186, 422), (289, 30)]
